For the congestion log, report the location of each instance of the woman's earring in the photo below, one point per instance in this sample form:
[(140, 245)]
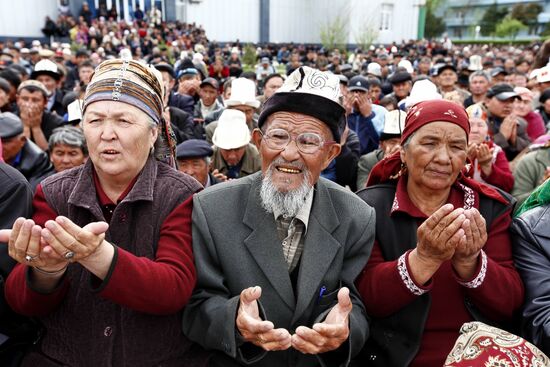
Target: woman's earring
[(401, 172)]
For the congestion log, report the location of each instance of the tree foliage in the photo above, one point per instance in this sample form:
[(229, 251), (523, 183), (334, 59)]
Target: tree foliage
[(334, 33), (249, 55), (527, 14), (509, 28), (366, 35), (492, 16), (435, 25)]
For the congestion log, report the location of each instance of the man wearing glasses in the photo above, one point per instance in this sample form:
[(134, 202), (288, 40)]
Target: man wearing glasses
[(277, 251)]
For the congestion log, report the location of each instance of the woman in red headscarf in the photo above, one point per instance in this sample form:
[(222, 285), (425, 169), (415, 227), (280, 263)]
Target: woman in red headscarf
[(442, 255)]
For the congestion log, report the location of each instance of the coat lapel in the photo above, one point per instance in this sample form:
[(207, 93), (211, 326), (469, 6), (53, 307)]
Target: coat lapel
[(265, 247), (320, 248)]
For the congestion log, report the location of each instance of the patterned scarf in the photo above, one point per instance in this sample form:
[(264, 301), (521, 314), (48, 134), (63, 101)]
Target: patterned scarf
[(139, 85)]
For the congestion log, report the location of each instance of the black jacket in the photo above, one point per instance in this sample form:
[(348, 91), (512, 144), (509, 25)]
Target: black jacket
[(33, 163), (395, 340), (531, 240), (15, 202)]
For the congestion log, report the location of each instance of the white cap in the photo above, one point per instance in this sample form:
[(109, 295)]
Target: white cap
[(374, 68), (543, 74), (394, 122), (407, 65), (232, 131), (475, 63), (243, 91), (422, 90)]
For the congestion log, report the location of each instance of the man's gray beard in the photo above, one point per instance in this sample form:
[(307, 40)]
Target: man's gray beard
[(287, 203)]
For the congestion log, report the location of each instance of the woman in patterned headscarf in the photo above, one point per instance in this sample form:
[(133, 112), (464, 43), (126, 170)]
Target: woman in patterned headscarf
[(106, 262), (442, 254)]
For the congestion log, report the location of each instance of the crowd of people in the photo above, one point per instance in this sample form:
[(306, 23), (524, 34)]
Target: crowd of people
[(164, 203)]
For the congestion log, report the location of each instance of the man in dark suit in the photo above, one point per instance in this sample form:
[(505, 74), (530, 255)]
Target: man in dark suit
[(277, 252)]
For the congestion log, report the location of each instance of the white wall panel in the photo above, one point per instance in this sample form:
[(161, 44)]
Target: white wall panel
[(227, 20), (25, 18)]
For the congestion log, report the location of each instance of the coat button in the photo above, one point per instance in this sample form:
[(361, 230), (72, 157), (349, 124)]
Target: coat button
[(108, 331)]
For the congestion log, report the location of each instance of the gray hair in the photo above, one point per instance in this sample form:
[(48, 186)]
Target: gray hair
[(481, 73), (68, 135), (408, 141)]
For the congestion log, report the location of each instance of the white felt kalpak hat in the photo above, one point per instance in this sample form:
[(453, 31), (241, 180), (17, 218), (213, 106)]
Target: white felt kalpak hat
[(243, 92), (232, 131)]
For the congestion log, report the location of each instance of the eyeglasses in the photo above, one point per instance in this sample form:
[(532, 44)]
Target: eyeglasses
[(308, 143)]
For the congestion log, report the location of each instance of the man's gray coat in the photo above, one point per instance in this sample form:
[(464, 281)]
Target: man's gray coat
[(236, 246)]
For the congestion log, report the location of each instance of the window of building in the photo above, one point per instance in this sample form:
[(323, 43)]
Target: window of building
[(386, 17)]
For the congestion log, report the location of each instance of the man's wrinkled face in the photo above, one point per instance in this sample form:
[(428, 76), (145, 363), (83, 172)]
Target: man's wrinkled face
[(479, 85), (402, 89), (195, 167), (31, 100), (49, 82), (233, 156), (289, 167), (500, 108), (271, 86), (208, 95)]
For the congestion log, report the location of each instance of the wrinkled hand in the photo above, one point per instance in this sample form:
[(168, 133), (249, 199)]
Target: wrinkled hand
[(253, 329), (329, 334), (24, 244), (508, 128), (472, 151), (219, 176), (546, 174), (348, 103), (64, 236), (363, 103), (31, 115), (466, 256), (440, 234)]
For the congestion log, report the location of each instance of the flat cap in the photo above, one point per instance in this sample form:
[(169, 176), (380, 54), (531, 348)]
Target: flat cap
[(193, 148), (10, 125), (399, 77)]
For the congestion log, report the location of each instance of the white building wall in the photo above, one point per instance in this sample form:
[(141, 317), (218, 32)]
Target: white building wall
[(227, 20), (25, 18), (301, 20)]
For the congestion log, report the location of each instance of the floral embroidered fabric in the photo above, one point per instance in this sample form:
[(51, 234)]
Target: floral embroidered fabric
[(486, 346)]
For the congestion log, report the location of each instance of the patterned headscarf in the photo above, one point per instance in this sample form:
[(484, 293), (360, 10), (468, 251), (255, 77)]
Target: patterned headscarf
[(139, 85)]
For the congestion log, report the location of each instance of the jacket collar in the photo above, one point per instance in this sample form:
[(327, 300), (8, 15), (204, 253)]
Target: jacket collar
[(84, 193)]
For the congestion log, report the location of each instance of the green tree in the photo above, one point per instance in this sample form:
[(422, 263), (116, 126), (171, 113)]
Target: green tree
[(334, 33), (492, 16), (434, 25), (249, 56), (527, 14), (509, 28), (366, 35)]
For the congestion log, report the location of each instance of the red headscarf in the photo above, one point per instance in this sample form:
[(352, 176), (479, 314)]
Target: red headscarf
[(419, 115), (1, 157)]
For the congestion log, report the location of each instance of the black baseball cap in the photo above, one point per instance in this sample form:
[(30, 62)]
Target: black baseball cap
[(358, 83), (502, 92)]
